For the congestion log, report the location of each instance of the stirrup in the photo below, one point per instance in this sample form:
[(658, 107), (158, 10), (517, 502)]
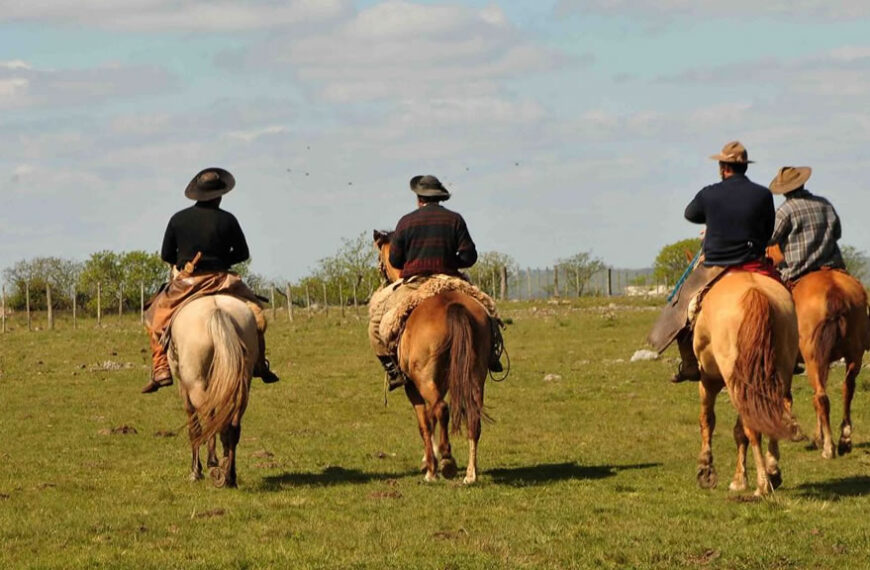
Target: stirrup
[(155, 384), (265, 373), (682, 376)]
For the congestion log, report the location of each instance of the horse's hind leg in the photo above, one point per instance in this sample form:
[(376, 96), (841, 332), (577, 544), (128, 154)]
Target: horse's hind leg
[(193, 431), (763, 482), (771, 464), (446, 463), (740, 481), (473, 438), (707, 390), (818, 374), (425, 425), (853, 367), (212, 452)]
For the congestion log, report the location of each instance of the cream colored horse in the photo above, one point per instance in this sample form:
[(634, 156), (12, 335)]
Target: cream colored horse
[(212, 355), (746, 340)]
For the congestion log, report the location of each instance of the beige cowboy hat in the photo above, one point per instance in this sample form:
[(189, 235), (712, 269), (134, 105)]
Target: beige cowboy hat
[(790, 178), (209, 184), (732, 153), (429, 186)]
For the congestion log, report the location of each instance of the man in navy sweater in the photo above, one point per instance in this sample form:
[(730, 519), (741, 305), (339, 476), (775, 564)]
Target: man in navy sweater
[(740, 216)]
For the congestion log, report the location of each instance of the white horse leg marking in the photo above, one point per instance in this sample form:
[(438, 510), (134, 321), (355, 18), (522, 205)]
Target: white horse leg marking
[(471, 471)]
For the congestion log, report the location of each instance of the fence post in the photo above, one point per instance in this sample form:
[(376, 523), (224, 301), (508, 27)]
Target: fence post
[(325, 301), (355, 304), (99, 303), (289, 304), (3, 317), (142, 302), (529, 281), (74, 303), (308, 300), (272, 298), (609, 282), (120, 299), (341, 297), (27, 301), (556, 281), (48, 307)]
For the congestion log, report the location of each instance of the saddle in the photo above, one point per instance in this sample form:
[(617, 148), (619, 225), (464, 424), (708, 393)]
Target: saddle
[(417, 290)]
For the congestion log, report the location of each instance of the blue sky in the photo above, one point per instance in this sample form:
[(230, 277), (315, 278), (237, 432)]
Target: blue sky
[(561, 126)]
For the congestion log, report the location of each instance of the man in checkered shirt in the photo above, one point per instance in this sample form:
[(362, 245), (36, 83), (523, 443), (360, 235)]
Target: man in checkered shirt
[(807, 226)]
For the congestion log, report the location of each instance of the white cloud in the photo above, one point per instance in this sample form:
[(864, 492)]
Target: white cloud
[(173, 15), (254, 134), (14, 64), (787, 9)]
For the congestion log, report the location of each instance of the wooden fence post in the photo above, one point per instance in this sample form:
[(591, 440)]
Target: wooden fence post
[(142, 302), (308, 300), (289, 304), (27, 301), (341, 298), (609, 282), (529, 281), (355, 304), (325, 301), (74, 303), (99, 303), (48, 307), (3, 308), (272, 298), (556, 281)]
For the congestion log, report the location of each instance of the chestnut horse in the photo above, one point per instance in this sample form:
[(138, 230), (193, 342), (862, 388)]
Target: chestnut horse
[(746, 340), (212, 354), (445, 347), (833, 323)]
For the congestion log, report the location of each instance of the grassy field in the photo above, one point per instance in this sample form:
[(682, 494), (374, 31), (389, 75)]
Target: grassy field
[(592, 468)]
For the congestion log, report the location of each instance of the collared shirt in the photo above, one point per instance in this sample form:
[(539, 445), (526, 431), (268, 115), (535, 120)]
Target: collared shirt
[(807, 230), (739, 215), (430, 240), (205, 228)]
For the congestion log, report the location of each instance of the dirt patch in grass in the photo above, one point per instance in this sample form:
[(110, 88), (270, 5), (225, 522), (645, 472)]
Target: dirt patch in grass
[(210, 514)]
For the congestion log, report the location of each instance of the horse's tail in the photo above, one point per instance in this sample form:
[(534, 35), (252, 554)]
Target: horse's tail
[(228, 385), (756, 388), (833, 328), (464, 384)]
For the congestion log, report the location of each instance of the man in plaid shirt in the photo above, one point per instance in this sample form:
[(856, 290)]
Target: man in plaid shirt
[(807, 226)]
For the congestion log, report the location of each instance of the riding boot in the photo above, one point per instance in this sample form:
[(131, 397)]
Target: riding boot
[(689, 369), (160, 374), (497, 347), (495, 363), (261, 368), (396, 377)]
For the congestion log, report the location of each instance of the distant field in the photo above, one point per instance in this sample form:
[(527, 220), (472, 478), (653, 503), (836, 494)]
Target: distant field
[(592, 469)]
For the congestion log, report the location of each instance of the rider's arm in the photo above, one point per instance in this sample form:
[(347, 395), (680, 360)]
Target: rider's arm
[(781, 228), (169, 251), (238, 246), (397, 250), (466, 254), (695, 210)]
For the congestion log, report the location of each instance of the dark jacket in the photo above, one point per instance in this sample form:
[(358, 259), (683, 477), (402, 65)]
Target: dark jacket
[(205, 228), (739, 215), (431, 240)]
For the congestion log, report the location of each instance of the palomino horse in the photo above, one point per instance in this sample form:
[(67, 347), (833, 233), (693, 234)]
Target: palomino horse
[(212, 355), (833, 323), (746, 341), (445, 347)]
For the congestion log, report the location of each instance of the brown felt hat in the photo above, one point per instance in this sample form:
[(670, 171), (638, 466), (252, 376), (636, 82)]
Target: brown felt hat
[(429, 186), (209, 184), (733, 153), (790, 178)]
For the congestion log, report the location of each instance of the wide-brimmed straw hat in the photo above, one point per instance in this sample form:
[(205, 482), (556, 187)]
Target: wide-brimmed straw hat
[(429, 187), (209, 184), (790, 178), (733, 153)]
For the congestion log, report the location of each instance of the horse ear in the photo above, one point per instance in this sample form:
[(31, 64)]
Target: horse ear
[(380, 237)]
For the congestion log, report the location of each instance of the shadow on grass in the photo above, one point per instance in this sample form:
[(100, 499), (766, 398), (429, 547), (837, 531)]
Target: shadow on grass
[(836, 489), (545, 473), (332, 475)]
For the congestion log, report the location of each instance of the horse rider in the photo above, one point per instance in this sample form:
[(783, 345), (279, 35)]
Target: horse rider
[(739, 216), (202, 243), (431, 240), (807, 226)]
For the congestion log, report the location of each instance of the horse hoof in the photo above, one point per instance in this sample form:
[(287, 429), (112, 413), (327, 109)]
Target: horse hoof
[(828, 453), (218, 477), (213, 462), (707, 478), (448, 467), (775, 479), (430, 477), (193, 477), (844, 447), (469, 480), (737, 485)]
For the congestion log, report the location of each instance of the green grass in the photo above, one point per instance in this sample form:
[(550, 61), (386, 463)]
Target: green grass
[(593, 470)]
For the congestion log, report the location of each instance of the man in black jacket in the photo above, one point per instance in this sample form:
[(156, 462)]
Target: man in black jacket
[(202, 243), (739, 215)]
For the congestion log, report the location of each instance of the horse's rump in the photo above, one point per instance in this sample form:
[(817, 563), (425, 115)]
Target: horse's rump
[(756, 386)]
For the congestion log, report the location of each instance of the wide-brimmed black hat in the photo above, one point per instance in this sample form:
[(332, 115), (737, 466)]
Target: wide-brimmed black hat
[(209, 184), (429, 187)]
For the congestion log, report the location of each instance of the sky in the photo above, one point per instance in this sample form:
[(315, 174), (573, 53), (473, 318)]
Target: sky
[(560, 126)]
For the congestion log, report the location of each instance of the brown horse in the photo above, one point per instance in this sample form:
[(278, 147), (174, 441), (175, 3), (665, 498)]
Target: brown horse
[(212, 355), (746, 341), (445, 347), (832, 323)]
